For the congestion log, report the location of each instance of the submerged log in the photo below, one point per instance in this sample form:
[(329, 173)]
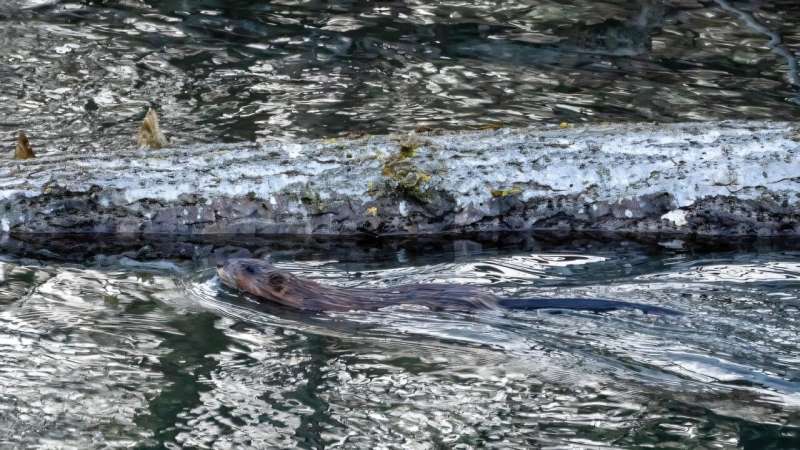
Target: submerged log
[(722, 178)]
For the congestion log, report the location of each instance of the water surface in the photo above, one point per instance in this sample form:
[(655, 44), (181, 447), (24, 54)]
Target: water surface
[(78, 75), (126, 343), (122, 343)]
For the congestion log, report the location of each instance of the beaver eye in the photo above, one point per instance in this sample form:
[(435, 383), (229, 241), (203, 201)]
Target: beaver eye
[(249, 269), (276, 280)]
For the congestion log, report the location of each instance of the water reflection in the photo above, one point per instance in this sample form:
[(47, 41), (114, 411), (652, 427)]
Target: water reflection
[(76, 353), (151, 352), (764, 271), (78, 74)]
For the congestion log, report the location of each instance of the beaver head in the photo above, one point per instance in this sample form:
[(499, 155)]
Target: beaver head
[(259, 278)]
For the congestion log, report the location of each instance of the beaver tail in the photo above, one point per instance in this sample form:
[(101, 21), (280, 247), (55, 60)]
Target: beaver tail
[(582, 304)]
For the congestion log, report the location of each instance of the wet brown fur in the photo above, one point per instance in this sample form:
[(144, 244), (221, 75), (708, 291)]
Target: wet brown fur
[(266, 282)]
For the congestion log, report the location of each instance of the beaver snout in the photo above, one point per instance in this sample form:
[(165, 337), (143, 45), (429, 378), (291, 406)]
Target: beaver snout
[(224, 276)]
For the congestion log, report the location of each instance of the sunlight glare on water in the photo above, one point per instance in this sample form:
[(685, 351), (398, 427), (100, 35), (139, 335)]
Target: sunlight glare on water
[(121, 351), (79, 74), (127, 344)]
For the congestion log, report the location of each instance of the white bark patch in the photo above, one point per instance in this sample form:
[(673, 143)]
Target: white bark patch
[(293, 150), (403, 209), (676, 216)]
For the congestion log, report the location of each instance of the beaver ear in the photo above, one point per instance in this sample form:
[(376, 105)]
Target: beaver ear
[(276, 280)]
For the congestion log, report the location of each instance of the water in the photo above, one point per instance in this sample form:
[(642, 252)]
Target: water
[(128, 343), (78, 75), (123, 343)]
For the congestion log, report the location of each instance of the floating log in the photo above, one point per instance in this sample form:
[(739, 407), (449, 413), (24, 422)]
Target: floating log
[(715, 178)]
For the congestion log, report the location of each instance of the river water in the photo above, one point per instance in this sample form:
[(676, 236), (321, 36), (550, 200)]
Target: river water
[(135, 344), (126, 343), (78, 75)]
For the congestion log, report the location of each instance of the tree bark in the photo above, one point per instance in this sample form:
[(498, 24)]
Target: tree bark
[(720, 178)]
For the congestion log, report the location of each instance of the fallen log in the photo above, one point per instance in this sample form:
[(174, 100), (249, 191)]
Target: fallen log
[(720, 178)]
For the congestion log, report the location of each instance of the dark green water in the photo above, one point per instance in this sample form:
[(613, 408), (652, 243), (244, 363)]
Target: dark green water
[(135, 344)]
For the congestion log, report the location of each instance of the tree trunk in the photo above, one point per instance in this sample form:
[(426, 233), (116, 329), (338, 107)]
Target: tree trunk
[(723, 178)]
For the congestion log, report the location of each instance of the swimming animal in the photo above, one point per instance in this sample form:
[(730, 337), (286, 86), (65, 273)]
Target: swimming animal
[(270, 284)]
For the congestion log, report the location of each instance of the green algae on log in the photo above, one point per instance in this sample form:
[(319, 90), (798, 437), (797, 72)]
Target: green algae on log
[(720, 178)]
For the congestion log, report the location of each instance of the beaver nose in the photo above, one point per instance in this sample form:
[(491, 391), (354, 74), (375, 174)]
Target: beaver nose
[(220, 265)]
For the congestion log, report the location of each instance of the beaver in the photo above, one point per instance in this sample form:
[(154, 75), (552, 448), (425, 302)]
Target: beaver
[(268, 283)]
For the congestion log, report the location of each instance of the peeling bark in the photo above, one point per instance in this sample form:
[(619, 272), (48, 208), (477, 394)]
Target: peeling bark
[(724, 178)]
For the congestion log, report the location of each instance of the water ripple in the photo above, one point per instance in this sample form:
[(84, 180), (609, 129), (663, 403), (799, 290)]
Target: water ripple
[(78, 74), (157, 352)]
